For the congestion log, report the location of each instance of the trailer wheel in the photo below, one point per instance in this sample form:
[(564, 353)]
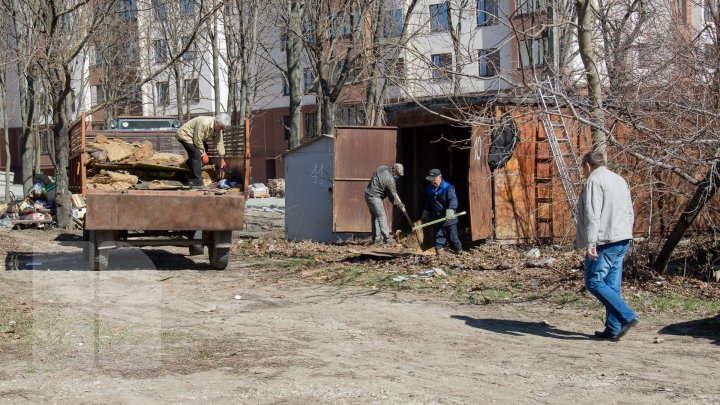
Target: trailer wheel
[(219, 249), (98, 258), (196, 250), (219, 258)]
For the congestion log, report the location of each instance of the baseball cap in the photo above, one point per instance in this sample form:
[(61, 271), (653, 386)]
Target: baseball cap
[(432, 174)]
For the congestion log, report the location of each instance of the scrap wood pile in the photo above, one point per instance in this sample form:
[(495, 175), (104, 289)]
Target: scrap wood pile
[(114, 164)]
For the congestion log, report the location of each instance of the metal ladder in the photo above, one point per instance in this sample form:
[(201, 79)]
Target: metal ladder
[(561, 144)]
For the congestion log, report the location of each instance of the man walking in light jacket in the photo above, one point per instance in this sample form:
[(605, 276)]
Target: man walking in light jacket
[(604, 229)]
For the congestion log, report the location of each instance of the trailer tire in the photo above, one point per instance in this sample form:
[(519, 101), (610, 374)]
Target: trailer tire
[(219, 258), (196, 250)]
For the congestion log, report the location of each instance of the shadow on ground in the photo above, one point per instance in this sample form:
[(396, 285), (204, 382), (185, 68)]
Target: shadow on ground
[(120, 259), (519, 328), (708, 328)]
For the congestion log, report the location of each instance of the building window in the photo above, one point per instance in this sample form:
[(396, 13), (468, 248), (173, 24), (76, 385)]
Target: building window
[(349, 24), (396, 70), (487, 11), (529, 6), (286, 126), (350, 115), (189, 55), (439, 20), (309, 32), (161, 50), (99, 58), (187, 6), (488, 62), (286, 87), (163, 93), (441, 65), (309, 79), (192, 90), (310, 125), (128, 9), (159, 10), (283, 39), (393, 23), (97, 93), (351, 74), (532, 52)]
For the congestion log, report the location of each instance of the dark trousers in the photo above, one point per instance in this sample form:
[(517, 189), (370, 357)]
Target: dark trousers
[(442, 233), (194, 162)]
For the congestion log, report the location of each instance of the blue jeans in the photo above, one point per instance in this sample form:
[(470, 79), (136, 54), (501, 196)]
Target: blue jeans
[(603, 277), (442, 232)]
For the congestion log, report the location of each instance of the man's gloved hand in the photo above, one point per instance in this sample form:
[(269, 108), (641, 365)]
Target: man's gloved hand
[(205, 159), (449, 213)]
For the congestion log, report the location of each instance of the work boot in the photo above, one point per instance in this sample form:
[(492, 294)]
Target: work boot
[(440, 252)]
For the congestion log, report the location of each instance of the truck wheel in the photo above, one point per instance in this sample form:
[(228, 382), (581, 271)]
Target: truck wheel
[(219, 249), (98, 259), (198, 249), (219, 257)]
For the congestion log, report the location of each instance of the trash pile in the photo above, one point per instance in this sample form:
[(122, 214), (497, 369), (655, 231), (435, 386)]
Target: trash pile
[(114, 164), (277, 187), (36, 210)]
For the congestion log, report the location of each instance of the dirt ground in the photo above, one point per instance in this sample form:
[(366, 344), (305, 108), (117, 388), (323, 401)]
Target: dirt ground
[(309, 323)]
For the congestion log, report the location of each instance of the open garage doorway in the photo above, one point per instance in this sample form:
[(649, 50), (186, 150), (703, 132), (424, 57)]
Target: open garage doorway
[(444, 147)]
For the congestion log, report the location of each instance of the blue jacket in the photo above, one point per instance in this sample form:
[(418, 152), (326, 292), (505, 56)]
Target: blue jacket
[(440, 199)]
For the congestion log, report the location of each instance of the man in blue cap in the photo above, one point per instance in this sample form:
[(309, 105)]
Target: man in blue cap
[(441, 202)]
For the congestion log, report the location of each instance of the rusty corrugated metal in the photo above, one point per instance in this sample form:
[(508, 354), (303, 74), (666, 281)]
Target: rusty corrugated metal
[(164, 210), (358, 151)]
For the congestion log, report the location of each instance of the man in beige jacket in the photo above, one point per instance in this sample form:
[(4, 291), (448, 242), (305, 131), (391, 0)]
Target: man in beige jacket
[(193, 136)]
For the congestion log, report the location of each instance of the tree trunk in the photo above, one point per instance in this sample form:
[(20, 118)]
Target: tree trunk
[(295, 77), (705, 191), (249, 47), (592, 73), (179, 76), (28, 116), (373, 95), (216, 67), (8, 156), (62, 161), (328, 116)]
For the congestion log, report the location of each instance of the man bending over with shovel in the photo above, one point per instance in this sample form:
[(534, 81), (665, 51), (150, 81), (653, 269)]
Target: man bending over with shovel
[(381, 185), (442, 202)]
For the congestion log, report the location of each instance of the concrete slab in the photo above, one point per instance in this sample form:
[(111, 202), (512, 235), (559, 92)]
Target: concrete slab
[(268, 202)]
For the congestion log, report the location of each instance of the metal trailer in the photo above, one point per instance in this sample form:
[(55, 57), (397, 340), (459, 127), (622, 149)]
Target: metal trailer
[(141, 218)]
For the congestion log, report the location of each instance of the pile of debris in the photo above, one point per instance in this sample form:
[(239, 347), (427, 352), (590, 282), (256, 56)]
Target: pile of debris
[(276, 187), (114, 164), (36, 210)]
